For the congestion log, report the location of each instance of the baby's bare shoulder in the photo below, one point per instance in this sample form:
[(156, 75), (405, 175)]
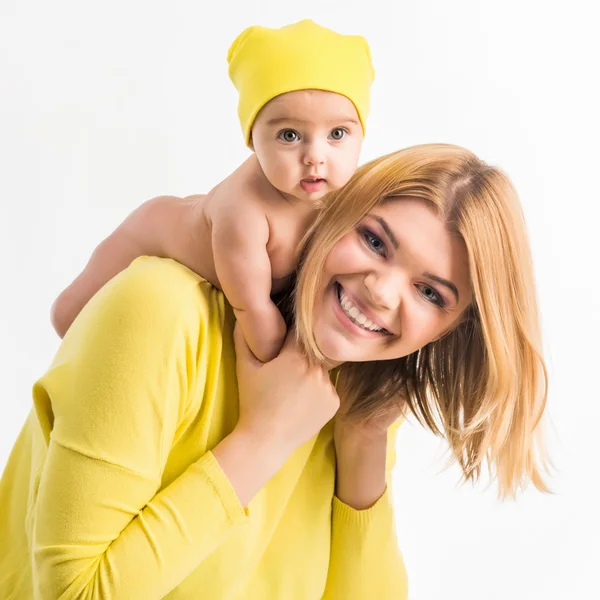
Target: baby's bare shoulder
[(240, 196), (242, 212)]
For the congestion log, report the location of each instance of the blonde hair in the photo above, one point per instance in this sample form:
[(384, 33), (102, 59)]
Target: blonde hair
[(483, 385)]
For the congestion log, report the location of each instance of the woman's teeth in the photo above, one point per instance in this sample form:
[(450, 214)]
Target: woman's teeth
[(354, 313)]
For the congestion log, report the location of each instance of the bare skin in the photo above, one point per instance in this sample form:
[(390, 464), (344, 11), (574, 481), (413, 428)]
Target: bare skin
[(242, 236), (286, 401), (394, 273)]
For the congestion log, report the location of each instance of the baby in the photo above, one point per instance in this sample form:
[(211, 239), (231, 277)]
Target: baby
[(303, 102)]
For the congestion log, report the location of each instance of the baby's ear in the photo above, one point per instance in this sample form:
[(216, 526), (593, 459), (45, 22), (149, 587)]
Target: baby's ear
[(251, 144)]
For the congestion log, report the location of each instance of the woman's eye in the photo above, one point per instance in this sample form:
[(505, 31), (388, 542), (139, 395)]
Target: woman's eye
[(431, 295), (338, 134), (374, 242), (288, 135)]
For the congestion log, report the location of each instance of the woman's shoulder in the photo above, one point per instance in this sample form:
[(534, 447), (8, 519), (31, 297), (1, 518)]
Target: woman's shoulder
[(156, 292), (150, 278), (155, 268)]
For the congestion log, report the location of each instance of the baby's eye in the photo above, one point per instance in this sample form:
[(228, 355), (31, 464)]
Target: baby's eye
[(338, 134), (288, 135)]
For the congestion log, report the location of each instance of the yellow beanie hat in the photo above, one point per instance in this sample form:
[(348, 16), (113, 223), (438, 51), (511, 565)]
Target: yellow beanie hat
[(264, 63)]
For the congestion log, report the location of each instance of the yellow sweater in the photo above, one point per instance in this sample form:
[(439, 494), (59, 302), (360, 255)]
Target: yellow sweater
[(112, 492)]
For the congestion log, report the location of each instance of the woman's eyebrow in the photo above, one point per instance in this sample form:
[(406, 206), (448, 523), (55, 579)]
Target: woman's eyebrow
[(443, 282), (387, 230)]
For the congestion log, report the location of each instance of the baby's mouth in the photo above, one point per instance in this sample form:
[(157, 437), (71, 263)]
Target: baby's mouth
[(312, 184)]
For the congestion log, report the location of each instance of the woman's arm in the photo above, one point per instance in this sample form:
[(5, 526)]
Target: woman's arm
[(110, 407), (112, 403), (365, 561), (361, 468)]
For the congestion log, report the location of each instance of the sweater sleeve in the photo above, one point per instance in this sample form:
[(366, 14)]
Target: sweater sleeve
[(365, 561), (110, 406)]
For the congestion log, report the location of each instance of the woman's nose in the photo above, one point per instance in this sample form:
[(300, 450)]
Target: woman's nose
[(385, 290)]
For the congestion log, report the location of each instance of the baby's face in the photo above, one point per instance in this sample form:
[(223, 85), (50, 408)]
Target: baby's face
[(308, 142)]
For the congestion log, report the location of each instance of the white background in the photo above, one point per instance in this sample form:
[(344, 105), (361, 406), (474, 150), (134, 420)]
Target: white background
[(104, 105)]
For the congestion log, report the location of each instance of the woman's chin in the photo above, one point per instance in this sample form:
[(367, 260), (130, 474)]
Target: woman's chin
[(336, 351)]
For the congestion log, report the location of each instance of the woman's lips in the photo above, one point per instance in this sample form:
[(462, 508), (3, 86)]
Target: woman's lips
[(347, 322)]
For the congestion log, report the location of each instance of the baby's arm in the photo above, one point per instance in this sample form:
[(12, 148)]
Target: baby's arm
[(160, 227), (239, 242)]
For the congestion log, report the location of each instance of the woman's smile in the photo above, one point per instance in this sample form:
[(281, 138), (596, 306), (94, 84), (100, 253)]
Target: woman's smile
[(380, 298), (352, 317)]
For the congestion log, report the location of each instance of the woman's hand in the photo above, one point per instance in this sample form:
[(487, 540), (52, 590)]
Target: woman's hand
[(286, 401), (283, 404), (361, 454), (361, 429)]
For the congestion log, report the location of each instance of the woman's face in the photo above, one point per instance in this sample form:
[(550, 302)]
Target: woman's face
[(398, 281)]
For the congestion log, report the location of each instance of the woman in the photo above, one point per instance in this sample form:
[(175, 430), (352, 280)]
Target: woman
[(143, 472)]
